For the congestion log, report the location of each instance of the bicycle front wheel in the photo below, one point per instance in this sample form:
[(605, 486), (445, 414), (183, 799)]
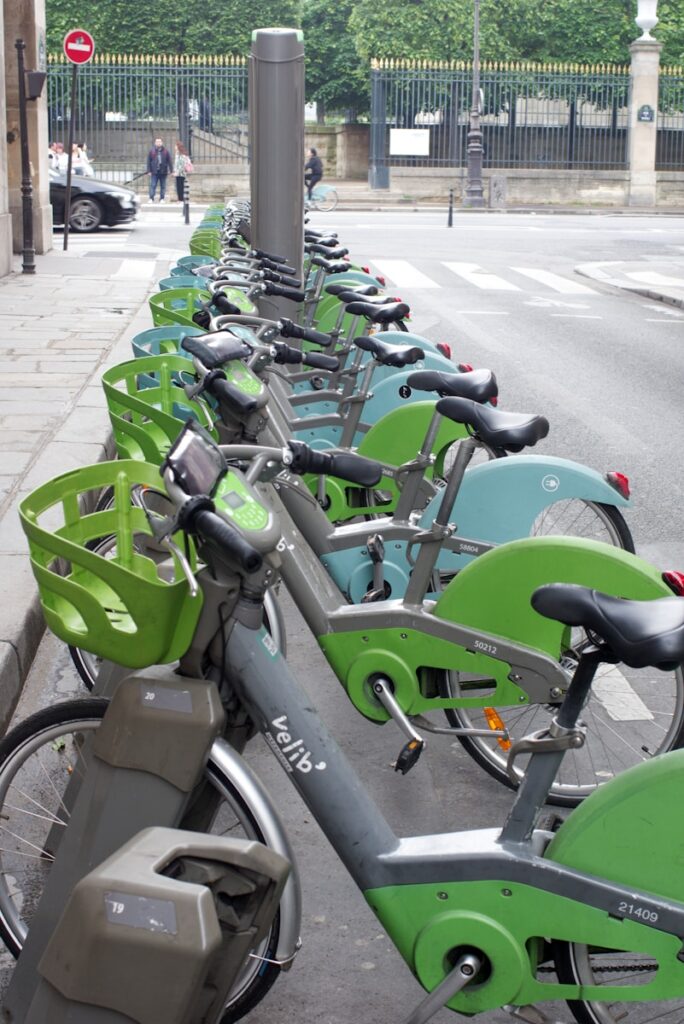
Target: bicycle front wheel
[(631, 716), (38, 759), (328, 201)]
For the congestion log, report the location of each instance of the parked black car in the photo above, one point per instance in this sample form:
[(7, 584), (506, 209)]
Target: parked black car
[(93, 202)]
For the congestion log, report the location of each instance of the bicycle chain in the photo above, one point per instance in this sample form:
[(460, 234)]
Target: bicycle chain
[(612, 969)]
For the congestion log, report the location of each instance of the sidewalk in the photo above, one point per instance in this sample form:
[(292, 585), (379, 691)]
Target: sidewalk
[(60, 328), (661, 280)]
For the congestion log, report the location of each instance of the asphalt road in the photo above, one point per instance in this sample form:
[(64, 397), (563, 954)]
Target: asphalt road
[(606, 369)]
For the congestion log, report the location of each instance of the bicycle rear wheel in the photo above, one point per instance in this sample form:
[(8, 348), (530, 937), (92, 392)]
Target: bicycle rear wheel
[(38, 759), (580, 965), (327, 201)]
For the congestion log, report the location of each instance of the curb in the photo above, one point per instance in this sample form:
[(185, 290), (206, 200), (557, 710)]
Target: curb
[(590, 271), (18, 590)]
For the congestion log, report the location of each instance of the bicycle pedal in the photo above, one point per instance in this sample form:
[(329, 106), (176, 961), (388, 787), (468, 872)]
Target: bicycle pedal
[(409, 756), (373, 595), (317, 383)]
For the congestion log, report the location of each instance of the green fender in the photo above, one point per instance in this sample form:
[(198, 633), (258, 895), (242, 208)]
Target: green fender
[(494, 591), (491, 594), (393, 440)]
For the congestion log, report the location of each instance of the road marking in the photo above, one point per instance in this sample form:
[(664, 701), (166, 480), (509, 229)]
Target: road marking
[(474, 274), (618, 698), (403, 274), (555, 281), (134, 270), (481, 312), (545, 302), (577, 316), (654, 321), (659, 308)]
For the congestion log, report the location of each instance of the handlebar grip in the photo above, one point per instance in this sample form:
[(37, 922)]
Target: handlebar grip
[(289, 329), (225, 392), (212, 528), (285, 354), (221, 301), (353, 468), (285, 293), (280, 268), (319, 361), (289, 282), (261, 254)]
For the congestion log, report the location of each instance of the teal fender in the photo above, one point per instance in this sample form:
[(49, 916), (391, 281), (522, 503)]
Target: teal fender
[(500, 500), (496, 499)]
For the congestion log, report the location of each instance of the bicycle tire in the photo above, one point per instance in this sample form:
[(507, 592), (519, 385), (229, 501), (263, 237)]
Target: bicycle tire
[(51, 730), (327, 202), (578, 965)]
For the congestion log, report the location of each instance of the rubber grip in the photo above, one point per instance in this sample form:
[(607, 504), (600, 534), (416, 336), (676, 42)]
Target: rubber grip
[(353, 468), (212, 528), (221, 302), (319, 361), (289, 282), (261, 254), (285, 293), (238, 401), (289, 329), (285, 354), (280, 268)]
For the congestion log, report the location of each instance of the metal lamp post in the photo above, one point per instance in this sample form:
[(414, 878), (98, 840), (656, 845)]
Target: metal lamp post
[(474, 197), (35, 86)]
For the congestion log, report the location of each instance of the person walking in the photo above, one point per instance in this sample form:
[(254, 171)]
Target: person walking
[(313, 171), (182, 166), (159, 166)]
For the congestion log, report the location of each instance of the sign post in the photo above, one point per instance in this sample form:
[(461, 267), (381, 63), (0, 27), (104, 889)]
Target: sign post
[(79, 48)]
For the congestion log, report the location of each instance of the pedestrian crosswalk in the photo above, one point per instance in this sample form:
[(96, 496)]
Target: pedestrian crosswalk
[(404, 274)]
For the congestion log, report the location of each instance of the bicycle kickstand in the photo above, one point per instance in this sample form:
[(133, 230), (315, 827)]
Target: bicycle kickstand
[(464, 971)]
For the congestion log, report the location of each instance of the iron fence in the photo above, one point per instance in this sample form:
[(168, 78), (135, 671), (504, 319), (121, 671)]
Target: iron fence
[(532, 116), (124, 103), (670, 137)]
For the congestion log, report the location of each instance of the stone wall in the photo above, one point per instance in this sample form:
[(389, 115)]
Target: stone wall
[(343, 148)]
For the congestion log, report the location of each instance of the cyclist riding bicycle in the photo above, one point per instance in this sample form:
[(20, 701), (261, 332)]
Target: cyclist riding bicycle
[(313, 172)]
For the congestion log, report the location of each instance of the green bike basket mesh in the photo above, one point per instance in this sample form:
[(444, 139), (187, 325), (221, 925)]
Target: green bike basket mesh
[(177, 305), (205, 243), (178, 281), (130, 607), (147, 407)]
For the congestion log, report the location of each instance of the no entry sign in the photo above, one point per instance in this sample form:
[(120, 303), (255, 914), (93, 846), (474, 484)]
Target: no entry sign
[(79, 46)]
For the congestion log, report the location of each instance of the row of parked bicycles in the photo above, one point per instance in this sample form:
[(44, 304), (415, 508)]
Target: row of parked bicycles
[(456, 585)]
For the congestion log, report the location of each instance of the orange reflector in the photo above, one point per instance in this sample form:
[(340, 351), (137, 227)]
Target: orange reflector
[(495, 723)]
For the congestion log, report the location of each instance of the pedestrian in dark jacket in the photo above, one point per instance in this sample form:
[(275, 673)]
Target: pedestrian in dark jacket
[(313, 171), (159, 166)]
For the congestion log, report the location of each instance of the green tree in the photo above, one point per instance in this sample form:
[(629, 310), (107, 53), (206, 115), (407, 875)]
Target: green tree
[(183, 26), (336, 76)]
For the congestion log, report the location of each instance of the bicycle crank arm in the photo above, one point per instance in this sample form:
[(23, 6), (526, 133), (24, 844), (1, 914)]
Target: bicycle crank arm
[(464, 971)]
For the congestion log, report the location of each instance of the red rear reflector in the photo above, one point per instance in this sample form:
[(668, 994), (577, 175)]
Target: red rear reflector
[(444, 349), (366, 270), (494, 400), (620, 482), (675, 581), (465, 367), (380, 279)]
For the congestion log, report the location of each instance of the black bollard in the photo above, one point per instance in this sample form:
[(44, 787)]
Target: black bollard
[(186, 199), (450, 218)]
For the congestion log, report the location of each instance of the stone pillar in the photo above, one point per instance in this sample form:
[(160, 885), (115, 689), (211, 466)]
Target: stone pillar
[(25, 19), (5, 219), (643, 121)]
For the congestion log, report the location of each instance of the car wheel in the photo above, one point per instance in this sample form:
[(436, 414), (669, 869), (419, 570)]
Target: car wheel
[(86, 215)]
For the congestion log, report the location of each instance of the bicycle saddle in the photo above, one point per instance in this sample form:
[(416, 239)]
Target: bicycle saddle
[(389, 355), (510, 430), (639, 633), (215, 349), (329, 240), (351, 295), (332, 253), (363, 289), (478, 385), (330, 266), (379, 314)]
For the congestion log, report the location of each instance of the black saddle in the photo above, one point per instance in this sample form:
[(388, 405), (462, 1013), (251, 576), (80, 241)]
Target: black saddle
[(510, 430), (389, 355), (478, 385), (216, 348), (639, 633), (363, 289), (379, 314), (331, 266), (351, 295)]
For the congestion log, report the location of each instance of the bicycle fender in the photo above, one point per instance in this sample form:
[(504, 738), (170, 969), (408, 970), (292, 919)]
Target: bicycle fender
[(493, 593), (500, 500)]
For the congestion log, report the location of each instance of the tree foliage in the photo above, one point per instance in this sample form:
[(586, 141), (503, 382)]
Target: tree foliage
[(336, 75), (178, 26)]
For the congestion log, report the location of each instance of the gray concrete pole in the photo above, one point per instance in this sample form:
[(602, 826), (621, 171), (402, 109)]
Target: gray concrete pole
[(276, 131)]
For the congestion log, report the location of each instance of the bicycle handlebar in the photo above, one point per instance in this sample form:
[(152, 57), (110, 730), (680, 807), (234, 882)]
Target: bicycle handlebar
[(226, 393), (353, 468), (285, 293), (212, 528), (289, 329)]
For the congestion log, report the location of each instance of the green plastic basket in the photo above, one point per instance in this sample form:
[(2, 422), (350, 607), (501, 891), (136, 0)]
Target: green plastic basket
[(180, 281), (177, 305), (147, 407), (155, 341), (124, 607), (205, 243)]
